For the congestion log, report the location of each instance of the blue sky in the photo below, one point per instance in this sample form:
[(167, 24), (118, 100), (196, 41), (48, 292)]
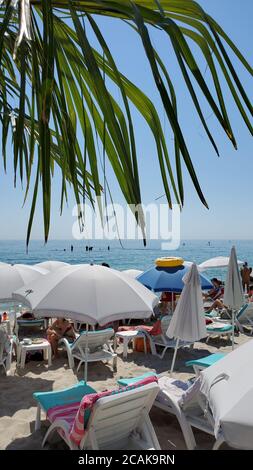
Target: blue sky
[(226, 181)]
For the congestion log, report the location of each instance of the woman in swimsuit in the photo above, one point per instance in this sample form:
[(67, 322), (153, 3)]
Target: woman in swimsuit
[(61, 327)]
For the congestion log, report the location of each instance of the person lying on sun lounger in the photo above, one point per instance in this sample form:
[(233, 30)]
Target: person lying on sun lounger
[(217, 304), (216, 292), (223, 310)]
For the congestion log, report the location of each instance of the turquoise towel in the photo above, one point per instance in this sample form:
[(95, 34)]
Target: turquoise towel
[(132, 380), (205, 361), (62, 397)]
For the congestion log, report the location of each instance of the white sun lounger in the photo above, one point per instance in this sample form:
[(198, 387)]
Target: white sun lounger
[(185, 401), (98, 348), (187, 404), (163, 341), (118, 421), (245, 317)]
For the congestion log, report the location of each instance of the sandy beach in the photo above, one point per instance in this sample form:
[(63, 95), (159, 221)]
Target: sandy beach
[(18, 408)]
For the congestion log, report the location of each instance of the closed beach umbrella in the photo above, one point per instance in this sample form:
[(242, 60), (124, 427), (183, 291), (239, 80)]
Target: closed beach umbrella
[(89, 294), (217, 262), (14, 277), (233, 293), (228, 388), (51, 265), (188, 263), (133, 272), (160, 279), (188, 322)]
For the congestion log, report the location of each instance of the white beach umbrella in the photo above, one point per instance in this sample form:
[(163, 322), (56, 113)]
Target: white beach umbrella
[(14, 277), (89, 294), (228, 388), (217, 262), (132, 272), (188, 322), (233, 293), (33, 268), (51, 265)]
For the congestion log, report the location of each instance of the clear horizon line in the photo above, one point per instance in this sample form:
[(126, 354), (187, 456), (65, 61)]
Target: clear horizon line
[(123, 240)]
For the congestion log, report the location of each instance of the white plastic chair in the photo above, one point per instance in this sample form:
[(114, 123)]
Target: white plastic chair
[(98, 348), (34, 324), (5, 350), (163, 341)]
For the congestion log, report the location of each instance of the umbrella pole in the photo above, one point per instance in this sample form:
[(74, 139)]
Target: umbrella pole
[(15, 326), (86, 355), (174, 356), (233, 329)]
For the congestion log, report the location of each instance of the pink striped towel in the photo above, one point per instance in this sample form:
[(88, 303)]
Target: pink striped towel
[(76, 415), (80, 423), (64, 412)]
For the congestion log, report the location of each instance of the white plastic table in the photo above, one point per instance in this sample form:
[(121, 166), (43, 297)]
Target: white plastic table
[(127, 337), (22, 349)]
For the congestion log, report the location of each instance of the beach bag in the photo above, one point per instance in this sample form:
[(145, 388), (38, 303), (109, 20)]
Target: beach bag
[(139, 345)]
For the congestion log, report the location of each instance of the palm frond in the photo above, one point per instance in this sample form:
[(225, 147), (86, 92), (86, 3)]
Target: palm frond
[(55, 89)]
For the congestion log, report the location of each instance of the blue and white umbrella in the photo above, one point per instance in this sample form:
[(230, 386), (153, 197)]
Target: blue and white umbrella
[(161, 279)]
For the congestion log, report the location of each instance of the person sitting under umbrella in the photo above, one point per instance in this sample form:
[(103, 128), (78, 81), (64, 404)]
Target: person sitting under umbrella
[(167, 300), (60, 327)]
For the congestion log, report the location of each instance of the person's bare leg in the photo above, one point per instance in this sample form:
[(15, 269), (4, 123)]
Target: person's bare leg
[(54, 344), (216, 304)]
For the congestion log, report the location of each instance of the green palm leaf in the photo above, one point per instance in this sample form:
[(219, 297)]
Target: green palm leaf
[(56, 105)]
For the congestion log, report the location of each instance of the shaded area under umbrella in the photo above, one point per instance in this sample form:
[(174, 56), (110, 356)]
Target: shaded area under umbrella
[(89, 294)]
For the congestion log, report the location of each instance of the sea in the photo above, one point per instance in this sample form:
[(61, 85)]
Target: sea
[(124, 255)]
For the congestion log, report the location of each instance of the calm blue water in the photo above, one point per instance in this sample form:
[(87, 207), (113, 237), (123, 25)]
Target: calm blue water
[(133, 255)]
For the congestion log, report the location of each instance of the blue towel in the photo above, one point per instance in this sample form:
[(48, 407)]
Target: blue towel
[(132, 380), (205, 361)]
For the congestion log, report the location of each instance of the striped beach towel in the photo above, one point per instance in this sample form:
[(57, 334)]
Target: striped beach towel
[(81, 420), (76, 415), (64, 412)]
